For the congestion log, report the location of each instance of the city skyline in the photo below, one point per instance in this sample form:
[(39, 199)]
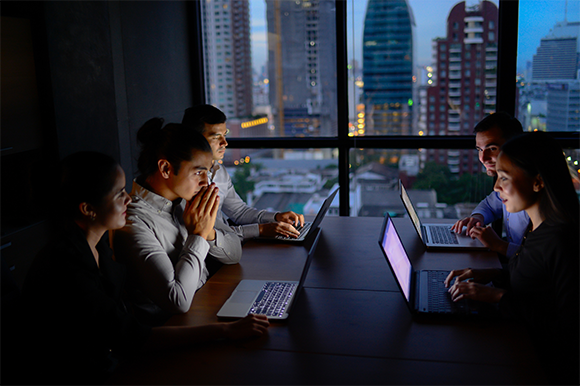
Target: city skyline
[(534, 24)]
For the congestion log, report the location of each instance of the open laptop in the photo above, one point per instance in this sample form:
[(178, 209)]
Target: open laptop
[(308, 227), (424, 291), (273, 298), (436, 236)]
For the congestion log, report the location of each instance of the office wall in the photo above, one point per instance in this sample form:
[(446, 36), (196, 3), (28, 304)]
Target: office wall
[(113, 66)]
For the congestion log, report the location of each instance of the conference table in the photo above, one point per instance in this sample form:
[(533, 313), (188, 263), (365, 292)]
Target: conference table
[(349, 325)]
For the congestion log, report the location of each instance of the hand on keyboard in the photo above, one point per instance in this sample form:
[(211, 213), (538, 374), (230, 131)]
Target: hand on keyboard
[(278, 228), (291, 218)]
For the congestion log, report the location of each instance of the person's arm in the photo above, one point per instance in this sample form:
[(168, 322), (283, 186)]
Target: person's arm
[(235, 208), (176, 336), (488, 210), (171, 288), (490, 239), (226, 247), (491, 208)]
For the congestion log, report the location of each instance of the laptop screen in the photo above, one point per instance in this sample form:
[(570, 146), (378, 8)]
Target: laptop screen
[(411, 210), (397, 257)]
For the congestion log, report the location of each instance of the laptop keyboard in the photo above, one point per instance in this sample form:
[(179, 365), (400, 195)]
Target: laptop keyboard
[(273, 299), (442, 235), (439, 297), (302, 229)]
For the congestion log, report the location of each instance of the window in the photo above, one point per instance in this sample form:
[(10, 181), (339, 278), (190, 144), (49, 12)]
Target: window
[(295, 104), (547, 88)]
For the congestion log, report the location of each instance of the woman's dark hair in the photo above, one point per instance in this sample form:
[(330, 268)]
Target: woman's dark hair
[(197, 116), (173, 142), (85, 176), (538, 153)]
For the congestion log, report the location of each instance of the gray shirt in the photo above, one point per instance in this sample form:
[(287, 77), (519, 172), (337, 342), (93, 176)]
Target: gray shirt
[(166, 264), (236, 209)]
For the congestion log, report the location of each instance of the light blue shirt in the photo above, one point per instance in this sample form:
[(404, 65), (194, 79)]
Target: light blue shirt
[(515, 224)]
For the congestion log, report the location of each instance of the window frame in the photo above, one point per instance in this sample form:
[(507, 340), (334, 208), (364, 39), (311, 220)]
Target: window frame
[(506, 100)]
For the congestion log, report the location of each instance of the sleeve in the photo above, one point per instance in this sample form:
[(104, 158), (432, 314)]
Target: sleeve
[(171, 288), (227, 246), (490, 208), (238, 211)]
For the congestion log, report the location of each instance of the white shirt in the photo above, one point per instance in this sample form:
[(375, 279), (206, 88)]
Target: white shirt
[(166, 265)]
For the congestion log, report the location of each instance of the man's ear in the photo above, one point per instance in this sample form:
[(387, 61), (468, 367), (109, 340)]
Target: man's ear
[(87, 210), (164, 167), (538, 183)]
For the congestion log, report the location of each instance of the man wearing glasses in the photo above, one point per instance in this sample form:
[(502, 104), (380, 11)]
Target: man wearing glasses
[(250, 222)]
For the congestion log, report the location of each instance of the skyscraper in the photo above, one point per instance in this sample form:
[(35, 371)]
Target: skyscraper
[(388, 66), (555, 68), (557, 57), (302, 66), (227, 56), (464, 90)]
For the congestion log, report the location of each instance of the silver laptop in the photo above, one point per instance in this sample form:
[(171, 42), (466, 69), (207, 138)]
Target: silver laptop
[(424, 291), (273, 298), (436, 236), (308, 227)]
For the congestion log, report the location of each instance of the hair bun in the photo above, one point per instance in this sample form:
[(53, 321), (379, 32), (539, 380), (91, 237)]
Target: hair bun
[(150, 131)]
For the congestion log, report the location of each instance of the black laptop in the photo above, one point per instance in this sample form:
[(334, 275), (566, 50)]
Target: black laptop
[(424, 291)]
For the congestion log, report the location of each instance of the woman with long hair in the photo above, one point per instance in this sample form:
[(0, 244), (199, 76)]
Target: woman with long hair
[(543, 275), (77, 322)]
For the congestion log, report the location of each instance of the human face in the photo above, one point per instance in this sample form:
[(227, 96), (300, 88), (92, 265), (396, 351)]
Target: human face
[(216, 136), (112, 211), (516, 188), (487, 144), (192, 175)]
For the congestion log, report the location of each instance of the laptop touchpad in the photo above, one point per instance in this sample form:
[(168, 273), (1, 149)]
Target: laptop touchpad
[(243, 296)]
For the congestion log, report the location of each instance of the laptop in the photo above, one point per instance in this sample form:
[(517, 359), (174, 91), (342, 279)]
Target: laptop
[(437, 236), (273, 298), (308, 227), (424, 291)]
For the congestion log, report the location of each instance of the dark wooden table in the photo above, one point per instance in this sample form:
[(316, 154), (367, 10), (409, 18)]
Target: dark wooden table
[(350, 324)]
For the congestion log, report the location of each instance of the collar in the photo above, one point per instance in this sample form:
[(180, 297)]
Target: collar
[(214, 169), (159, 203)]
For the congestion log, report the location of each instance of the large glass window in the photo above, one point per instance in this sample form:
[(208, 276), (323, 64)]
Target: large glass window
[(419, 76), (430, 176), (280, 65), (548, 92), (284, 179), (396, 50)]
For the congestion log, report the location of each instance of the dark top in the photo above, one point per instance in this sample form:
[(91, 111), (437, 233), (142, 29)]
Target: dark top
[(77, 321), (544, 293)]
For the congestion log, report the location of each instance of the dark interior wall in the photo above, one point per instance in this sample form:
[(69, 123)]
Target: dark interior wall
[(79, 47), (157, 63), (113, 66)]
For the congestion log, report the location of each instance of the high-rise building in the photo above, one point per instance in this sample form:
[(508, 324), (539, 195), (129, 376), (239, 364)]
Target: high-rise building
[(464, 88), (563, 106), (302, 67), (388, 66), (555, 70), (227, 56), (557, 57)]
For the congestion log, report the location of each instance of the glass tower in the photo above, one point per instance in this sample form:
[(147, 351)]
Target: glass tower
[(388, 66)]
